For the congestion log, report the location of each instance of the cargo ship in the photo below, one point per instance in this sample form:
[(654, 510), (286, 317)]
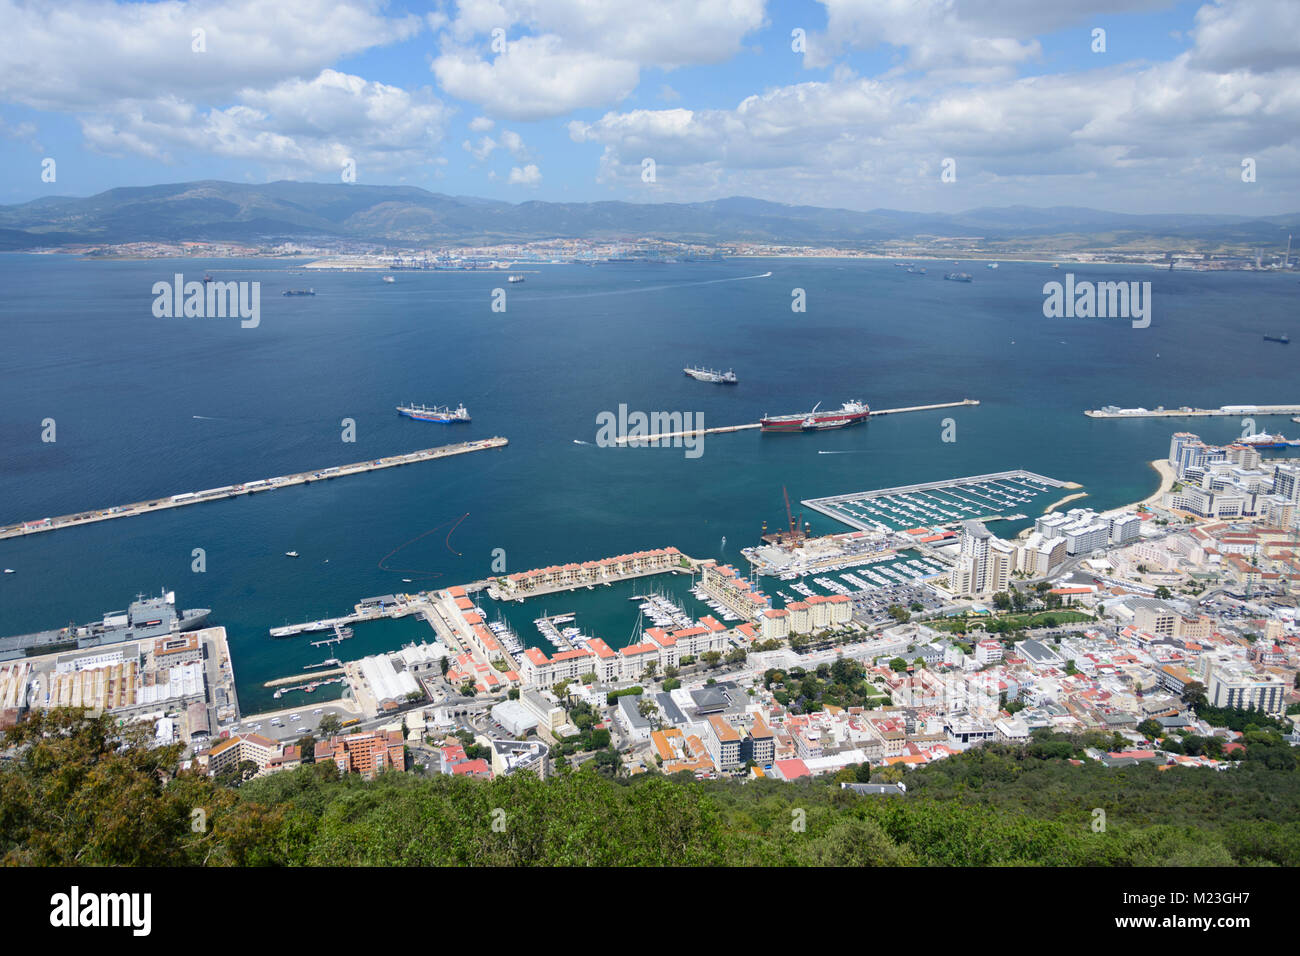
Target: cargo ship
[(709, 375), (298, 292), (1282, 339), (145, 618), (437, 413), (850, 413), (957, 276)]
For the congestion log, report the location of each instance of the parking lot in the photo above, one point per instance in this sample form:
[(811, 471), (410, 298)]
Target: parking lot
[(872, 607)]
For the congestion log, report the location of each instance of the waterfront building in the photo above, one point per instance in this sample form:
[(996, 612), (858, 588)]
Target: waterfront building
[(984, 563), (1124, 528)]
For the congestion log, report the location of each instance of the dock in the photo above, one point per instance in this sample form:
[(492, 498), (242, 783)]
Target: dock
[(993, 497), (638, 439), (1227, 411), (247, 488), (298, 678)]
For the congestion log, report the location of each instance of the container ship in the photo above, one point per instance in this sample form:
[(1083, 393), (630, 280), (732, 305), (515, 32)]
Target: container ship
[(146, 618), (709, 375), (293, 292), (436, 413), (1282, 339), (850, 413)]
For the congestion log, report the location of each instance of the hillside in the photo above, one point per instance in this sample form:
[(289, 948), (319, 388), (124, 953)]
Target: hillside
[(221, 211)]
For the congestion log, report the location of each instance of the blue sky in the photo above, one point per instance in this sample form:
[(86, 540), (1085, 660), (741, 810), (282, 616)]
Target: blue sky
[(583, 91)]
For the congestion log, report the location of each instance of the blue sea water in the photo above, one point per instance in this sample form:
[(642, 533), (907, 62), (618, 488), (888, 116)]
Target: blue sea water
[(147, 407)]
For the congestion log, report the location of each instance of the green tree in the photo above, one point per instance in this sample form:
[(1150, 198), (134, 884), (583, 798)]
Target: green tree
[(330, 724)]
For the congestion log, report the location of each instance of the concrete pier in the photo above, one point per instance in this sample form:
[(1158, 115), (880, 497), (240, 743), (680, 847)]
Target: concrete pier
[(247, 488), (663, 436), (1227, 411)]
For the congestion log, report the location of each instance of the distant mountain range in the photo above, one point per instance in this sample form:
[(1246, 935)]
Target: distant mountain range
[(406, 215)]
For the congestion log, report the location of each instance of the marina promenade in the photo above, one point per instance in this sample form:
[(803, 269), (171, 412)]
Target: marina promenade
[(247, 488), (636, 439)]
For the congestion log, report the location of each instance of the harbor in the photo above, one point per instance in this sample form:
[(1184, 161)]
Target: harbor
[(999, 496), (662, 436), (247, 488), (1226, 411)]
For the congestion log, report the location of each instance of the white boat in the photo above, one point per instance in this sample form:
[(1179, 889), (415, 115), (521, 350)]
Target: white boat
[(9, 570), (291, 554), (389, 279)]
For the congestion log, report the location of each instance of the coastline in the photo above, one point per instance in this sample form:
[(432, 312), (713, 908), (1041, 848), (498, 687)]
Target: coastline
[(1167, 481)]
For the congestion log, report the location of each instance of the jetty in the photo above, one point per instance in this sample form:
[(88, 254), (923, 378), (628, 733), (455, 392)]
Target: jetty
[(247, 488), (646, 439), (1226, 411)]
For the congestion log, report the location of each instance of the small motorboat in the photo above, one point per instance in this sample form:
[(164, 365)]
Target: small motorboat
[(291, 554)]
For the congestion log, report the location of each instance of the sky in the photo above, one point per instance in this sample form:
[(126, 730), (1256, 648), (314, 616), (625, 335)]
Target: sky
[(1142, 106)]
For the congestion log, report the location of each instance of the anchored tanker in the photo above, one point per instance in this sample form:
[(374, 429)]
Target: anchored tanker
[(145, 618), (709, 375), (850, 413)]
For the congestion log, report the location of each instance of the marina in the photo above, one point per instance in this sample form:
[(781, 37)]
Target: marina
[(247, 488), (1002, 495)]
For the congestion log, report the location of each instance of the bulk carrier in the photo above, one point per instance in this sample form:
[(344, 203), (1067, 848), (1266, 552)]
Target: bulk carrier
[(850, 413), (145, 618), (438, 413), (709, 375)]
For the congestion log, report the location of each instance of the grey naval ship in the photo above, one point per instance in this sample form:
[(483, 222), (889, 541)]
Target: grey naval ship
[(147, 617)]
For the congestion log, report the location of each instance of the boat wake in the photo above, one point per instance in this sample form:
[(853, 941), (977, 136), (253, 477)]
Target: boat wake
[(637, 290)]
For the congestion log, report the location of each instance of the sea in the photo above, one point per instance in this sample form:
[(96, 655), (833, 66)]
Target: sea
[(146, 407)]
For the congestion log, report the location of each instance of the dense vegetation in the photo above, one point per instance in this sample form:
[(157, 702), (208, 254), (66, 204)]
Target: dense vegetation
[(74, 795)]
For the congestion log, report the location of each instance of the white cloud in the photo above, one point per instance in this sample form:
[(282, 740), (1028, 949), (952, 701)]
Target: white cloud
[(310, 126), (862, 143), (528, 176), (83, 55), (1256, 35), (564, 55), (480, 150), (480, 124), (969, 39)]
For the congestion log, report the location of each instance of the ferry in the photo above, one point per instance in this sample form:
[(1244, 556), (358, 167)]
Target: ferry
[(437, 413), (850, 413)]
